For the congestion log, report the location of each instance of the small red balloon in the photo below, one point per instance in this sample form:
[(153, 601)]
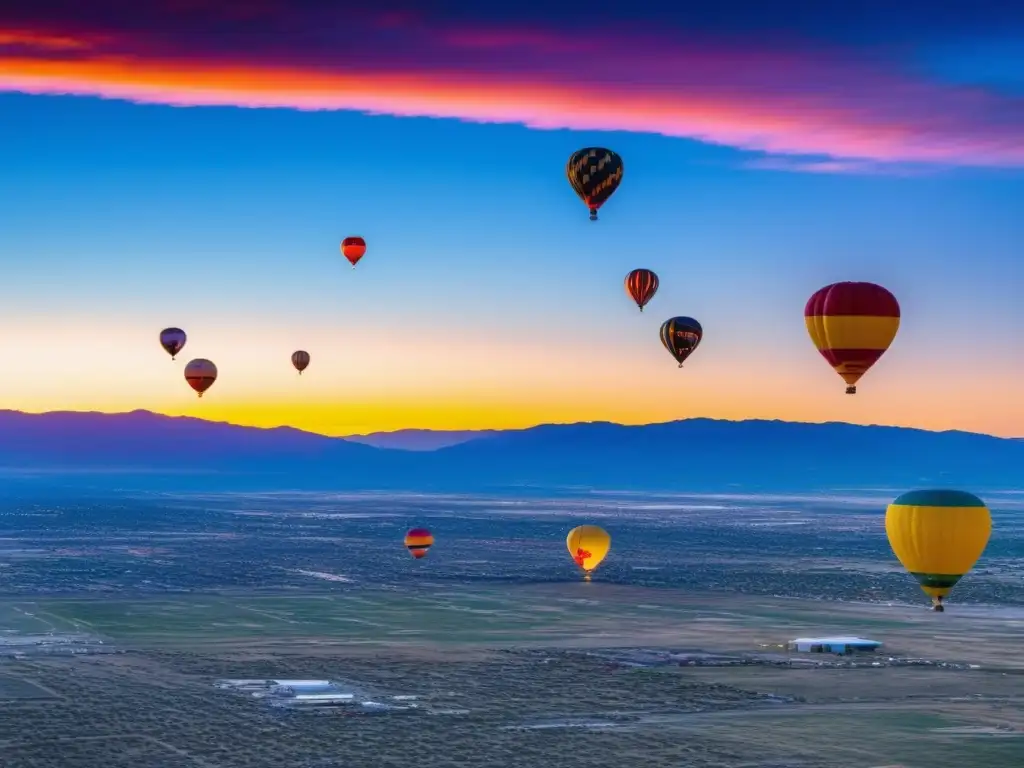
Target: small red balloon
[(353, 249)]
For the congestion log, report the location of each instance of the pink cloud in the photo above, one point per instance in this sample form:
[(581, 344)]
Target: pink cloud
[(851, 110), (838, 166)]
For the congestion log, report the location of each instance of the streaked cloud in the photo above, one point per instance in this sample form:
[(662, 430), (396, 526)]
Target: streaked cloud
[(859, 107), (839, 165), (32, 40)]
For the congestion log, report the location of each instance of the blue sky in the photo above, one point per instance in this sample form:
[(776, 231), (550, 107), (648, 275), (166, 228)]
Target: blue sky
[(486, 297)]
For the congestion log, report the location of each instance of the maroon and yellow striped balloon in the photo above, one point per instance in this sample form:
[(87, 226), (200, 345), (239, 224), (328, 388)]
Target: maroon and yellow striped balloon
[(852, 324), (418, 541)]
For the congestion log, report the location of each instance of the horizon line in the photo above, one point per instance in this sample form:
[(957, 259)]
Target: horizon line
[(502, 431)]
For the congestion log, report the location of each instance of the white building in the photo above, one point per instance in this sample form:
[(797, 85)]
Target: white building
[(837, 645), (322, 698)]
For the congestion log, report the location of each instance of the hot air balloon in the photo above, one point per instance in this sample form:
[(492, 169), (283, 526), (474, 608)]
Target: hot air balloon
[(300, 359), (172, 340), (200, 374), (641, 285), (588, 546), (353, 249), (681, 335), (594, 173), (418, 541), (852, 324), (938, 536)]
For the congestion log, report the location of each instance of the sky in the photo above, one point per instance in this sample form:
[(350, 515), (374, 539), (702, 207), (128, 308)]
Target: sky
[(195, 164)]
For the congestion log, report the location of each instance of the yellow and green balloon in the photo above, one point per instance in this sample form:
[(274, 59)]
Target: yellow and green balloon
[(938, 535)]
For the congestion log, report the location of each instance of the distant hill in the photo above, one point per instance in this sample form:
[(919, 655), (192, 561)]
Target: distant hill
[(71, 442), (705, 454), (143, 450), (420, 439)]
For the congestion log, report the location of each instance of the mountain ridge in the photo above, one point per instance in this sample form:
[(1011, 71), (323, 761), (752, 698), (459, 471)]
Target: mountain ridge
[(145, 413), (421, 439), (700, 454)]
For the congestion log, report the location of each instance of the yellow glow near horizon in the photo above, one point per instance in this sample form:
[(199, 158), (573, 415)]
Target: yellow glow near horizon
[(382, 382)]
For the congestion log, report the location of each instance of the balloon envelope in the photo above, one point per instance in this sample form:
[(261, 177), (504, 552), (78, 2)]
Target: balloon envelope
[(418, 541), (681, 336), (353, 249), (300, 359), (852, 325), (172, 340), (938, 535), (641, 285), (200, 374), (594, 173), (588, 545)]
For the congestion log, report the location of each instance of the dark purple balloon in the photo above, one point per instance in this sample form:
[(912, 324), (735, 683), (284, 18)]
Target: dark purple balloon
[(172, 340)]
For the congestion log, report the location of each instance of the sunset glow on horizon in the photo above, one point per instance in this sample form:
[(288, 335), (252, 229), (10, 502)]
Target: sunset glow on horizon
[(147, 191)]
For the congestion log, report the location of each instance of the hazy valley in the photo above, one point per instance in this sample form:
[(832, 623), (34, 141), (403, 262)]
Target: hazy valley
[(120, 613)]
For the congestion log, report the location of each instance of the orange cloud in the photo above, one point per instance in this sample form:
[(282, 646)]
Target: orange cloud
[(848, 108)]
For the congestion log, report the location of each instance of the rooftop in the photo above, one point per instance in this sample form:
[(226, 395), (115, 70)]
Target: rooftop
[(835, 641)]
